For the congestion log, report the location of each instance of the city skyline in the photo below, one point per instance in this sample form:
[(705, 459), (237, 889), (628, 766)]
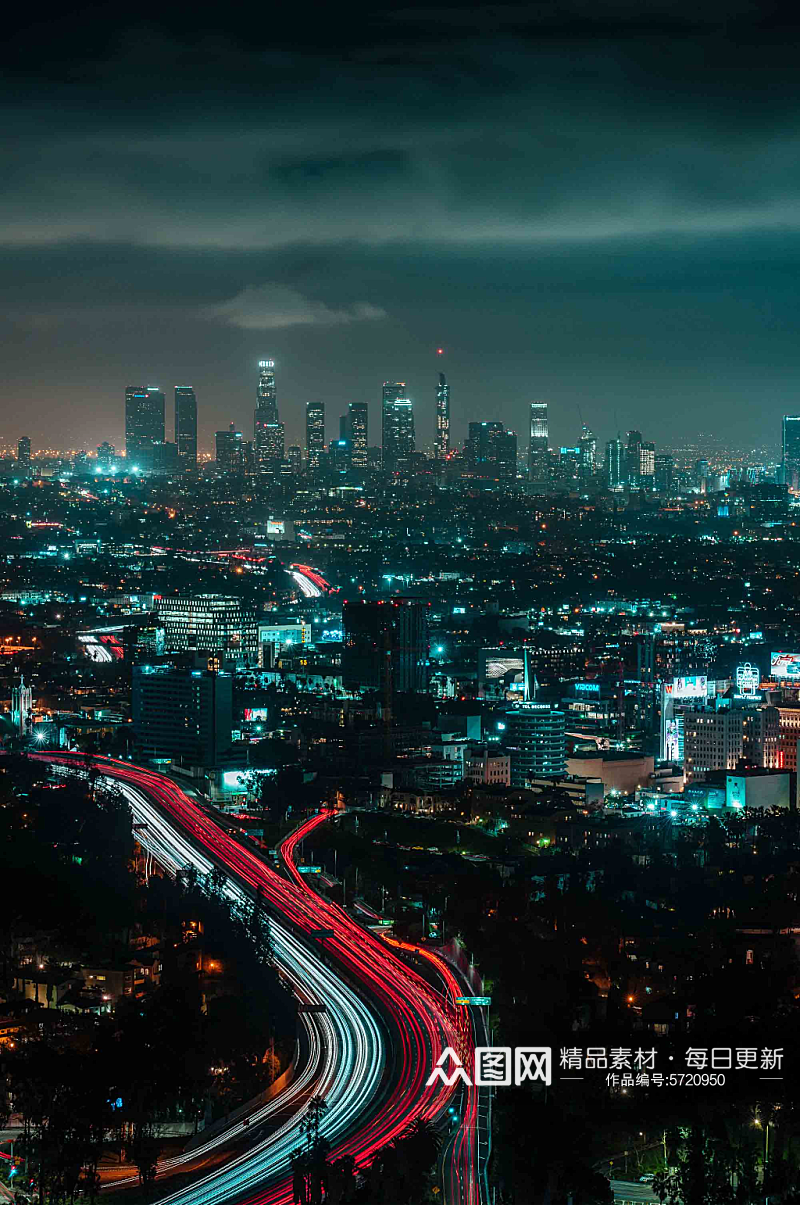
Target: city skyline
[(569, 252)]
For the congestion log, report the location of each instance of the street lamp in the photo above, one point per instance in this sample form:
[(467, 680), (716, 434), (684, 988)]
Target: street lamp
[(758, 1124)]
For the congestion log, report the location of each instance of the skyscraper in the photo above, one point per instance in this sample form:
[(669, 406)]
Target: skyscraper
[(230, 451), (144, 421), (491, 451), (791, 449), (315, 435), (442, 417), (186, 426), (269, 437), (615, 464), (386, 645), (24, 455), (588, 453), (397, 426), (539, 441), (633, 459), (358, 433)]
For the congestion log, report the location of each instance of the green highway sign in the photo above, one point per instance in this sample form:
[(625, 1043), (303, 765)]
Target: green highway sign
[(478, 1000), (310, 869)]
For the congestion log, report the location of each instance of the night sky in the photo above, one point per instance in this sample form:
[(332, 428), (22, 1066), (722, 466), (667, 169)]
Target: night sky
[(596, 205)]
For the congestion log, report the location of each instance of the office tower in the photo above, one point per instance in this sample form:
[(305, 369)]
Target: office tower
[(647, 466), (340, 457), (209, 623), (269, 435), (615, 464), (442, 418), (24, 455), (229, 446), (386, 645), (539, 443), (791, 449), (397, 427), (536, 739), (315, 435), (163, 459), (663, 473), (186, 426), (588, 453), (181, 714), (144, 422), (358, 433), (633, 459), (491, 451), (22, 707), (294, 459), (105, 456)]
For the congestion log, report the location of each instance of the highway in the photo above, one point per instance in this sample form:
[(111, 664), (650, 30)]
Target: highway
[(351, 1058)]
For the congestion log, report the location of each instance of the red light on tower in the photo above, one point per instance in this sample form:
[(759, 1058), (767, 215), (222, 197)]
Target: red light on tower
[(440, 351)]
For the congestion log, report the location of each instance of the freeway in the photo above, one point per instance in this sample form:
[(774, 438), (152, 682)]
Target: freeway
[(361, 1117)]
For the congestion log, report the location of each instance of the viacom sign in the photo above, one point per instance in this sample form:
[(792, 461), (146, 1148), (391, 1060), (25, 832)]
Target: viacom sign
[(496, 1067)]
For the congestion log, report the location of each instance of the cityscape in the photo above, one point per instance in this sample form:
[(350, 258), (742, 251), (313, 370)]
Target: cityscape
[(400, 715)]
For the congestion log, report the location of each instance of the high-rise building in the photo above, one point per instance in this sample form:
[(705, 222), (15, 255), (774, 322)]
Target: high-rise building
[(358, 433), (24, 456), (182, 714), (229, 447), (442, 418), (144, 422), (539, 443), (536, 739), (209, 623), (664, 472), (269, 435), (791, 450), (647, 466), (186, 426), (491, 451), (315, 435), (397, 427), (633, 459), (588, 453), (615, 464), (163, 459), (294, 459), (386, 645), (106, 453)]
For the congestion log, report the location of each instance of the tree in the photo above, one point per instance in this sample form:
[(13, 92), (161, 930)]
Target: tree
[(144, 1150)]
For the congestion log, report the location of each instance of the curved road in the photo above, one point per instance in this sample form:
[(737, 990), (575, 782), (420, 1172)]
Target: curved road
[(360, 1118)]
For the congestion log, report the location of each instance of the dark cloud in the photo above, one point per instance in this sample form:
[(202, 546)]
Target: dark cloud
[(595, 203)]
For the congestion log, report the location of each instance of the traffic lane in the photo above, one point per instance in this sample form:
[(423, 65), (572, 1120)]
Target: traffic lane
[(631, 1190)]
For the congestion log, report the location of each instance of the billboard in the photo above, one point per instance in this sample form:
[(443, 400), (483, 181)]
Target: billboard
[(253, 714), (785, 665), (687, 688)]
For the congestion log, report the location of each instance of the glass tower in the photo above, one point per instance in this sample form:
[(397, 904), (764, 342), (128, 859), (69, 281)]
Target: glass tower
[(268, 429), (397, 426), (539, 442), (442, 418), (315, 434), (186, 425), (144, 420)]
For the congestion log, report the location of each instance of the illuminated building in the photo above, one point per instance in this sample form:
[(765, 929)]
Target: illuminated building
[(269, 435), (105, 456), (186, 426), (536, 739), (647, 466), (633, 467), (539, 442), (315, 435), (294, 459), (209, 623), (144, 423), (358, 433), (588, 454), (229, 447), (791, 449), (181, 714), (442, 417), (24, 456), (291, 632), (664, 468), (163, 459), (615, 464), (397, 427), (386, 645), (22, 707), (718, 740), (491, 451)]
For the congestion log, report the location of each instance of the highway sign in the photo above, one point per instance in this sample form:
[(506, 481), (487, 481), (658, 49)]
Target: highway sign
[(310, 869), (480, 1001)]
